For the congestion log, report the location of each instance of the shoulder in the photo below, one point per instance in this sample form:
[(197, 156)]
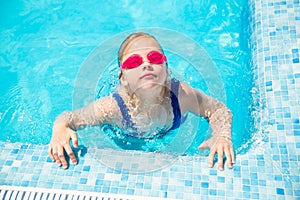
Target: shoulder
[(188, 97), (105, 100), (106, 105), (184, 90)]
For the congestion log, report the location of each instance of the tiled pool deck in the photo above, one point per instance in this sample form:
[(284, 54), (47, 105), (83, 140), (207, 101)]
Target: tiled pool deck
[(270, 170)]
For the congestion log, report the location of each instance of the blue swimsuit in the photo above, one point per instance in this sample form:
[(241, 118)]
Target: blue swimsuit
[(174, 102)]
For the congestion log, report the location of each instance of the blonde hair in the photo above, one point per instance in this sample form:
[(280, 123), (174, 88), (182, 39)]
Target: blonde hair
[(131, 38), (125, 44)]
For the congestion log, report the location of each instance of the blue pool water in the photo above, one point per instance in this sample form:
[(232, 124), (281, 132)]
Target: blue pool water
[(44, 45)]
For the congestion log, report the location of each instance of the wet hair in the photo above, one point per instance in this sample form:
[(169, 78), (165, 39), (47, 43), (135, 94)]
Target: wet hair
[(125, 44), (131, 38)]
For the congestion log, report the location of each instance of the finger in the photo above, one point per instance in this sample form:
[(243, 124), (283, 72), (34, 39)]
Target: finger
[(220, 160), (228, 157), (62, 157), (74, 138), (205, 145), (70, 153), (202, 146), (56, 158), (50, 154), (232, 155), (211, 158)]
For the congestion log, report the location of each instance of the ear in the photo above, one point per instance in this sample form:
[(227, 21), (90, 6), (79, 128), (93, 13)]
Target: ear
[(123, 80), (120, 74)]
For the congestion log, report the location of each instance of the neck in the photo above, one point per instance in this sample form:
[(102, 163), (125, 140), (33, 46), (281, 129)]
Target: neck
[(144, 98), (150, 96)]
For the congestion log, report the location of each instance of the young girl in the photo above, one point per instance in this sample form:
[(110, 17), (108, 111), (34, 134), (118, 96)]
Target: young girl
[(146, 104)]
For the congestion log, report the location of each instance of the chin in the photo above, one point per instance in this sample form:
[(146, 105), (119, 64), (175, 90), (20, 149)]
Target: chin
[(149, 86)]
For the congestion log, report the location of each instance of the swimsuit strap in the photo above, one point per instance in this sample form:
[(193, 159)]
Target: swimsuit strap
[(175, 104), (124, 110)]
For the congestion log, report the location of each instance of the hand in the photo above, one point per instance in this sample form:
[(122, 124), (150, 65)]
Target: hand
[(219, 145), (60, 142)]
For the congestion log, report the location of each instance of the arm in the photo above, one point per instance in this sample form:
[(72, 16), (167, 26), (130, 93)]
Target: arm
[(65, 125), (220, 120)]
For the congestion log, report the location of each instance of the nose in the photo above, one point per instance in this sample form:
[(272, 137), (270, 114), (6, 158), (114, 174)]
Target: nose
[(147, 66)]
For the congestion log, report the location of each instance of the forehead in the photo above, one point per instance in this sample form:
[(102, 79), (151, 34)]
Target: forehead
[(141, 45)]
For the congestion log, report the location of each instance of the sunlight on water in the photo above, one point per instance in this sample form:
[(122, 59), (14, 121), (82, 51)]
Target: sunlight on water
[(43, 45)]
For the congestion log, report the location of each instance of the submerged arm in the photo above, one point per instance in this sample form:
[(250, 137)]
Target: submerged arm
[(78, 119), (97, 113), (218, 115), (220, 120), (94, 114)]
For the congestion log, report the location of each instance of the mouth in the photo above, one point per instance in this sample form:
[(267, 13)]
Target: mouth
[(148, 76)]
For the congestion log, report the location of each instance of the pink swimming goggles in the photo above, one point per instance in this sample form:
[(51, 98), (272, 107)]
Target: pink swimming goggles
[(135, 60)]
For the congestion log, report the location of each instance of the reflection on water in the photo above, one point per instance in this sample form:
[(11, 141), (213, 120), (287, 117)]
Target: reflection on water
[(43, 45)]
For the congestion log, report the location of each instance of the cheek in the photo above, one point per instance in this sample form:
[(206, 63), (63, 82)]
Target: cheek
[(133, 74), (131, 77), (164, 73)]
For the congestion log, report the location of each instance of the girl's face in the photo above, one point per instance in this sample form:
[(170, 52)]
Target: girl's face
[(147, 75)]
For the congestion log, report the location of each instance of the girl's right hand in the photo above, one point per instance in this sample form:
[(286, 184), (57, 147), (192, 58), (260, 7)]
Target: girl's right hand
[(222, 146), (60, 142)]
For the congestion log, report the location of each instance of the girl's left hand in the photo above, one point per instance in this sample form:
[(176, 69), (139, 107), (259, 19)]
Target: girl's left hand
[(219, 145)]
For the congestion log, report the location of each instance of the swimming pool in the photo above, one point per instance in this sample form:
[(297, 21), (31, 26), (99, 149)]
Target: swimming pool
[(29, 108), (31, 103)]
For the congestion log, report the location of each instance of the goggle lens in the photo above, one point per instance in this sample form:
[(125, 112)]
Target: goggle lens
[(135, 60)]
